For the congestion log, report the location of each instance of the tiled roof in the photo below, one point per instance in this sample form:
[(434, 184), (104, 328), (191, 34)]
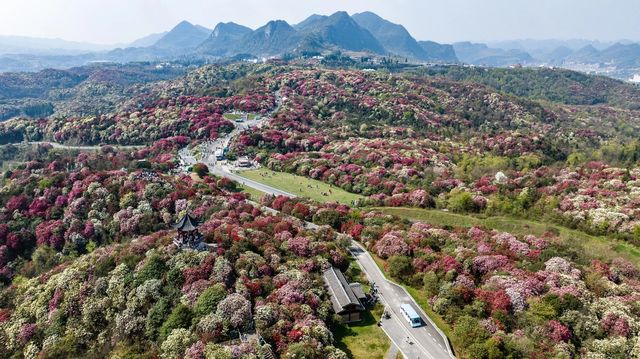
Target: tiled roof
[(342, 295), (186, 224), (357, 290)]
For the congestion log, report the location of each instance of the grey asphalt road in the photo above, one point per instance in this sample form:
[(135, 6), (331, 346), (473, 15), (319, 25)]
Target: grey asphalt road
[(83, 148), (220, 171), (423, 342)]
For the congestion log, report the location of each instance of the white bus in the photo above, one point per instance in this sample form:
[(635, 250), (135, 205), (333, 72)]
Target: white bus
[(219, 154), (410, 315)]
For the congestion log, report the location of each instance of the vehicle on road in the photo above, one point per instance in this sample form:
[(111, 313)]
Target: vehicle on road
[(219, 154), (411, 315)]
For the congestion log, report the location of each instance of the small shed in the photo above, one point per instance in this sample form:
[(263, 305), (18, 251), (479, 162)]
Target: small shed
[(344, 300)]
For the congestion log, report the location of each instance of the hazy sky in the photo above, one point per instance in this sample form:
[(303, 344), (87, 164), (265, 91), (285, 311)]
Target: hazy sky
[(113, 21)]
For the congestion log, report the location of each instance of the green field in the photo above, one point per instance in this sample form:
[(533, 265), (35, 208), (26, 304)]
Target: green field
[(237, 116), (363, 340), (301, 186), (593, 246), (254, 194), (232, 116)]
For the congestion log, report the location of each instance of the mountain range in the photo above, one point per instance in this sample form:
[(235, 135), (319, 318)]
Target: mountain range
[(364, 33), (358, 34)]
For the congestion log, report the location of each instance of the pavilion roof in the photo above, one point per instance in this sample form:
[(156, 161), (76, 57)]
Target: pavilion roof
[(186, 224)]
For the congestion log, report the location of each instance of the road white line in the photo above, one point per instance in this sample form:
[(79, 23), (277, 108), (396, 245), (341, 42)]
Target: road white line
[(444, 338), (396, 315)]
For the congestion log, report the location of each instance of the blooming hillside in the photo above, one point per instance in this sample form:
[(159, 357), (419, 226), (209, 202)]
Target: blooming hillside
[(88, 269), (143, 297)]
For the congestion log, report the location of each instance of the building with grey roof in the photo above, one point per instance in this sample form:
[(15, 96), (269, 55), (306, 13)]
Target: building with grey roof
[(346, 303)]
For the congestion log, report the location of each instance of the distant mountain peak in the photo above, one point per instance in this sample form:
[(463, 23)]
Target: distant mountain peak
[(229, 29), (310, 21), (274, 26), (224, 38), (369, 14), (183, 23), (340, 14), (184, 35), (338, 30), (394, 37)]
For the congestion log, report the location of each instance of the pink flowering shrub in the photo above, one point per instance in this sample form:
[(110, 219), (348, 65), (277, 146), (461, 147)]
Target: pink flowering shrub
[(392, 244), (488, 263), (558, 332)]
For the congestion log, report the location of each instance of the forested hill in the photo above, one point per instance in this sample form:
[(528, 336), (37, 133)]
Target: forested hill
[(557, 85), (516, 196)]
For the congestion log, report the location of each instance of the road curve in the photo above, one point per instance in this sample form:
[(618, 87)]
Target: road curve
[(221, 171), (426, 342), (84, 148)]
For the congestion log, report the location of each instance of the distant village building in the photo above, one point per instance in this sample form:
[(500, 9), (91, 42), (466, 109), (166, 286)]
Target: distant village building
[(346, 298), (244, 162), (188, 235)]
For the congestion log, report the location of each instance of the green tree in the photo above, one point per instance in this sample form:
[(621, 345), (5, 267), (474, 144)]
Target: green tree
[(128, 200), (540, 310), (156, 316), (154, 268), (44, 258), (200, 169), (328, 217), (431, 283), (209, 299), (461, 201), (400, 267), (180, 317), (469, 332)]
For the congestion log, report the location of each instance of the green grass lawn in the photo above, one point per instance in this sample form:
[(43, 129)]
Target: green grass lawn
[(254, 194), (594, 246), (232, 116), (237, 116), (301, 186), (363, 340)]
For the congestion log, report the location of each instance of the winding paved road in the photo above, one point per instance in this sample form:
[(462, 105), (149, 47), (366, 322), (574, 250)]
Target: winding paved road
[(425, 342), (222, 172), (84, 148)]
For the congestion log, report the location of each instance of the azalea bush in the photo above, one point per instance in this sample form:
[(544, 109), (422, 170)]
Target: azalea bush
[(509, 295), (106, 278)]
